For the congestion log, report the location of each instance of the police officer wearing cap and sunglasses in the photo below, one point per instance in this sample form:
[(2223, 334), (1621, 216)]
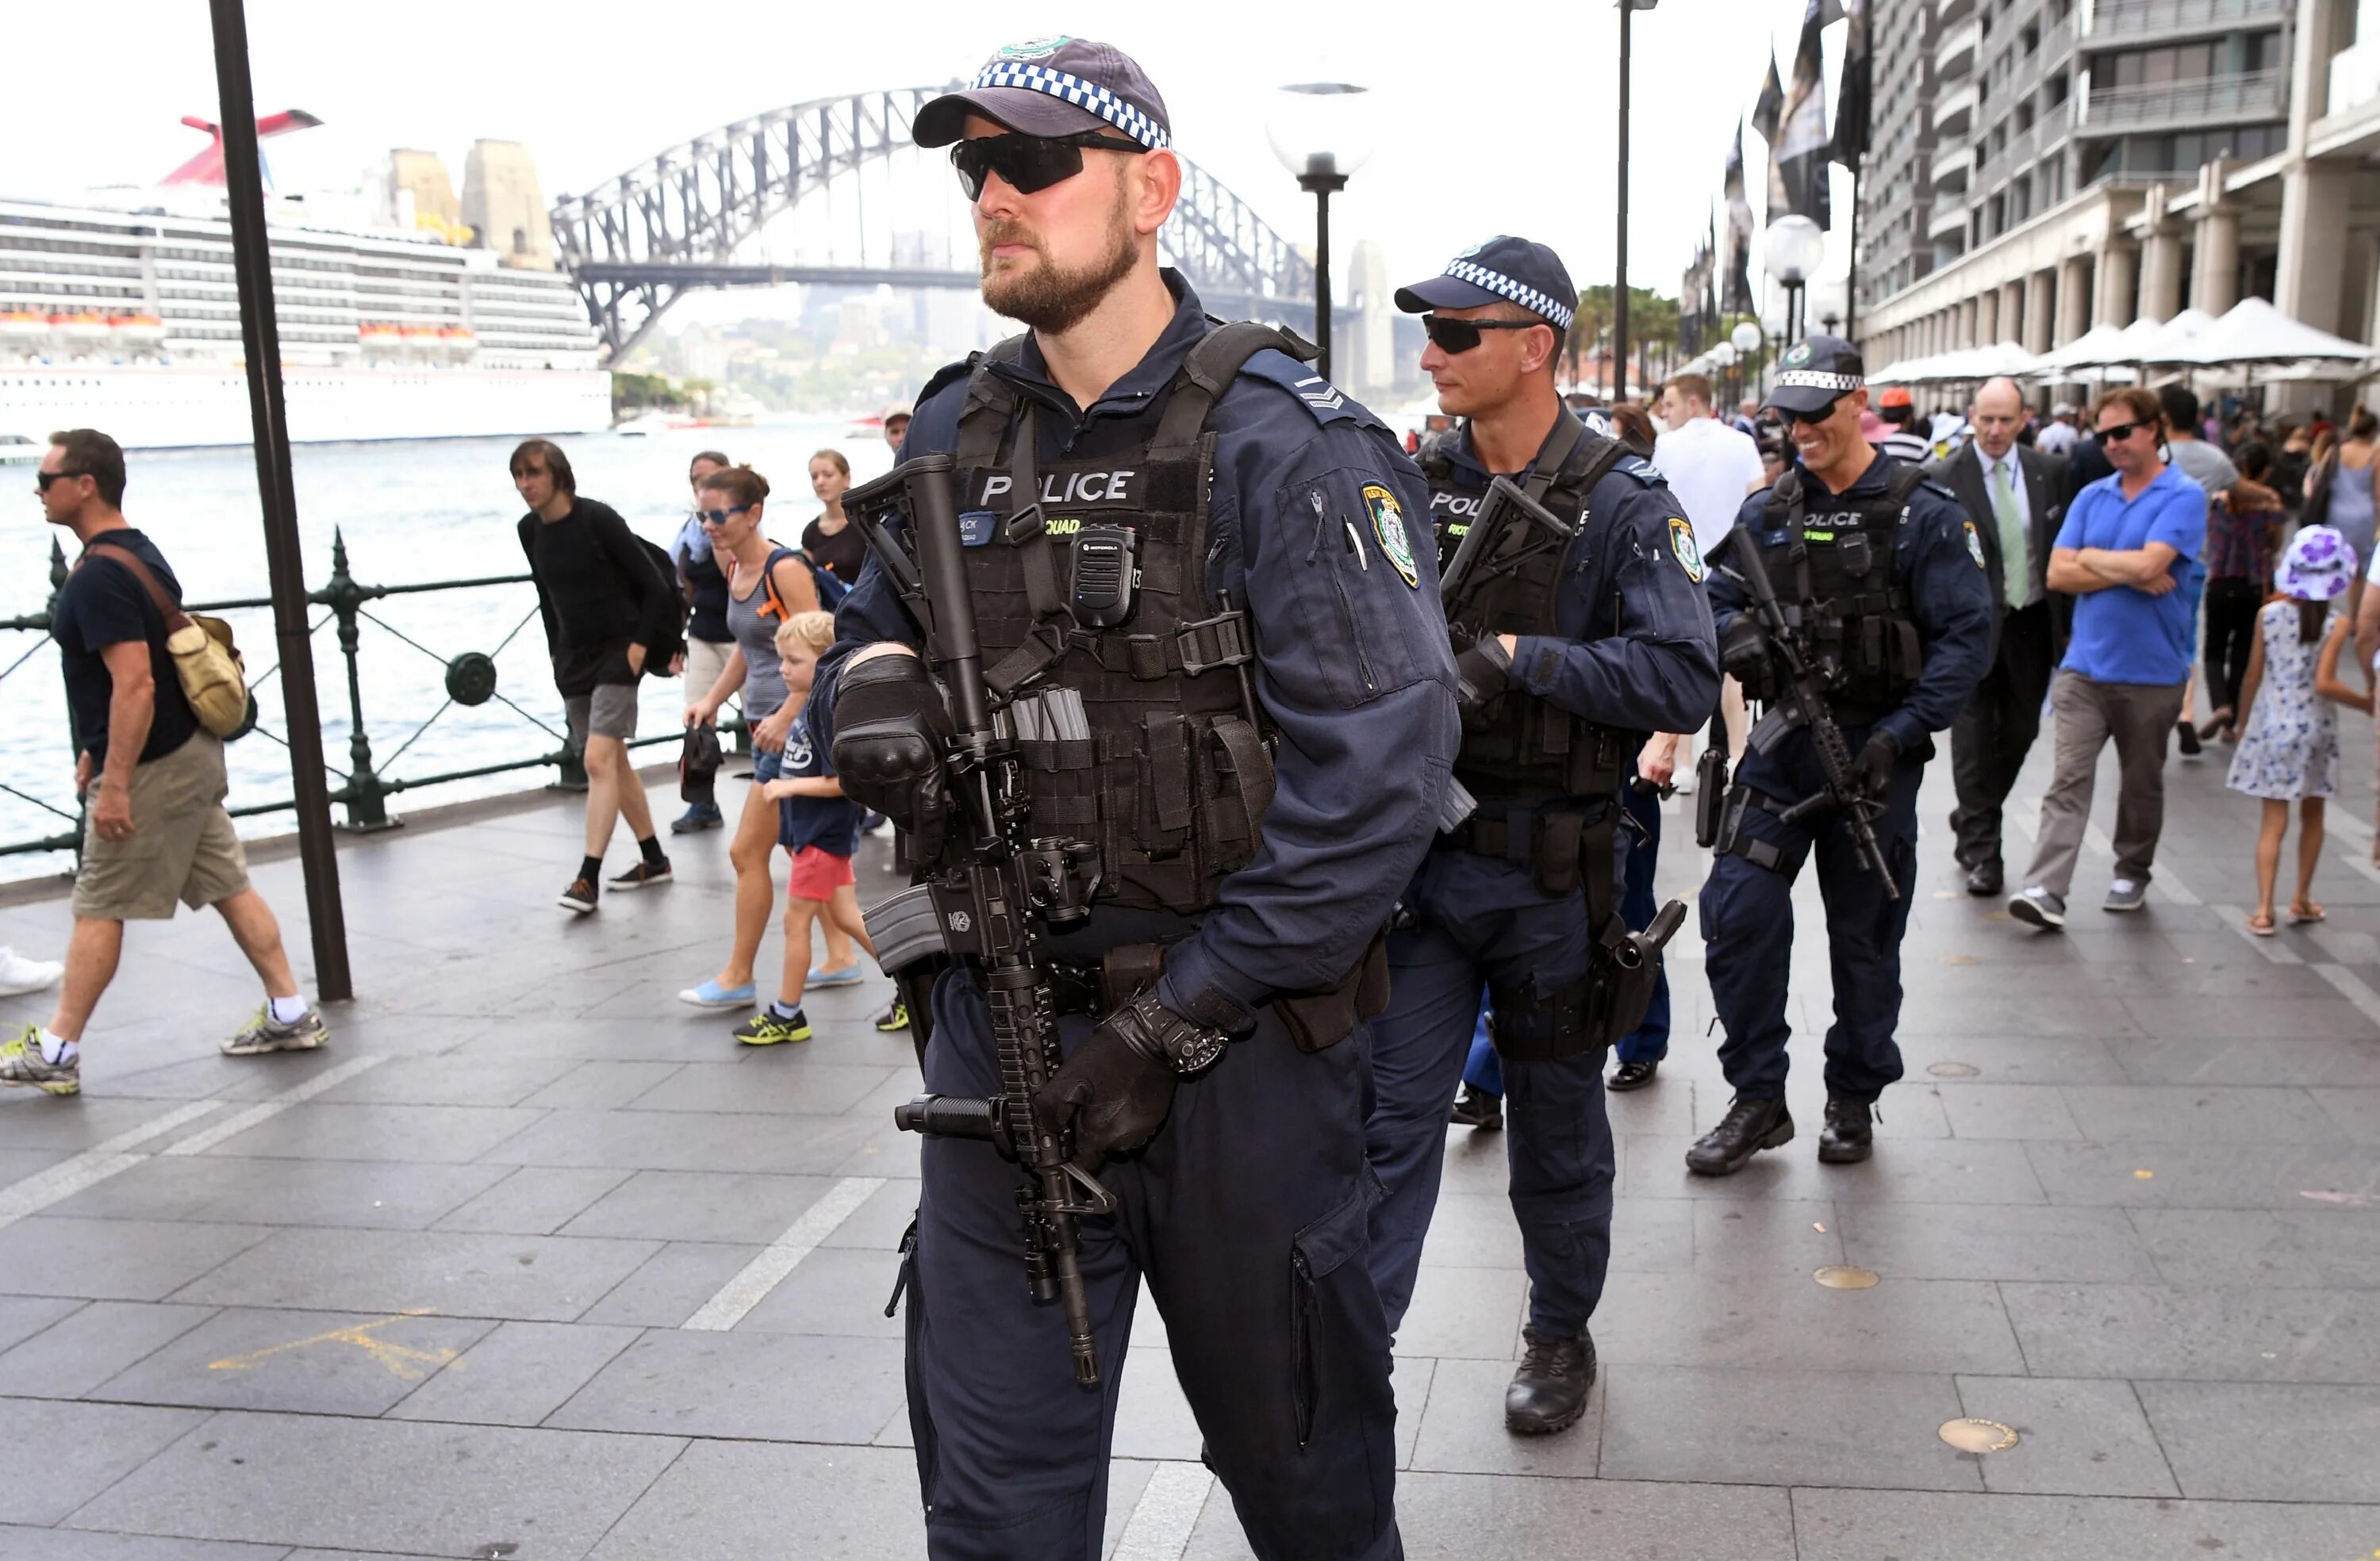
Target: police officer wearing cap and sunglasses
[(1217, 567), (1883, 569), (1581, 629)]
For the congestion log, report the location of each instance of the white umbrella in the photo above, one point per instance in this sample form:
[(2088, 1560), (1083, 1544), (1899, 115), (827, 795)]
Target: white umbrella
[(2089, 350), (2254, 331), (2168, 343)]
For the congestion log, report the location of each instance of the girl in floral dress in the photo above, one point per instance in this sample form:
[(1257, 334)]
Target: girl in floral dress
[(2289, 746)]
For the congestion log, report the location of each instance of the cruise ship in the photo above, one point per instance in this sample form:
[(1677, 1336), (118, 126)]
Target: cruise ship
[(127, 321)]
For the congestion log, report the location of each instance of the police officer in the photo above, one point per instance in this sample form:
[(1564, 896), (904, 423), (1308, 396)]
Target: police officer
[(1573, 652), (1884, 568), (1256, 649)]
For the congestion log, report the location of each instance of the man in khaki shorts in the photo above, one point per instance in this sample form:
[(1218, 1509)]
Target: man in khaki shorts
[(156, 831)]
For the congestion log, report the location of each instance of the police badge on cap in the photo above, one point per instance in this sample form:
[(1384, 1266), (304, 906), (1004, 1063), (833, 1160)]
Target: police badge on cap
[(1815, 374)]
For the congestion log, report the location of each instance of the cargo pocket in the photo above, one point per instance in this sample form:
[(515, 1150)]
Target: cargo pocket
[(1322, 1313)]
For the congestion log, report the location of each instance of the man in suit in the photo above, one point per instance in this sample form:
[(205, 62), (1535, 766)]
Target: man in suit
[(2014, 497)]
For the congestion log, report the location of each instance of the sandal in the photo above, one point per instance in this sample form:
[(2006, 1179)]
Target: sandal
[(2219, 722), (2303, 912), (2260, 924)]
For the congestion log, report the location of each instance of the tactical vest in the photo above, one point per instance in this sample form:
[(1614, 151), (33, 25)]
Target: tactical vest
[(1520, 748), (1090, 584), (1833, 572)]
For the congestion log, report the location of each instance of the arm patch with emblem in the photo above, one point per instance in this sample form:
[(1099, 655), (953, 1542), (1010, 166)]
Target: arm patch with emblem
[(1682, 543), (1389, 526)]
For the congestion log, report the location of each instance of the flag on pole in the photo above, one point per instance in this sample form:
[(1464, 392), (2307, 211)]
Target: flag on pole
[(1735, 282), (1855, 97), (1799, 155), (1770, 104)]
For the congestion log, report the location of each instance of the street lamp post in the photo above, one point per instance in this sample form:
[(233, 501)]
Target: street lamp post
[(1791, 253), (1723, 355), (1748, 339), (1322, 132), (1628, 8)]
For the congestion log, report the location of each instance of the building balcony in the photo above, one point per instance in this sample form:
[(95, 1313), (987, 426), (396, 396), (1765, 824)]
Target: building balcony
[(1947, 218), (2138, 21), (1954, 50), (1952, 167), (2263, 94), (1954, 109)]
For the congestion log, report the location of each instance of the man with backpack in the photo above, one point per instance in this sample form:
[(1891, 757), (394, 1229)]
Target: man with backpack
[(611, 615), (152, 771)]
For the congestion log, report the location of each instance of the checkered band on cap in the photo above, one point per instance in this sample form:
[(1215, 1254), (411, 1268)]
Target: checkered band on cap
[(1814, 379), (1089, 96), (1521, 292)]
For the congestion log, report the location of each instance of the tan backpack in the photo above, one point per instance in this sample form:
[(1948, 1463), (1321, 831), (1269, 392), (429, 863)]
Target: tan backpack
[(214, 678)]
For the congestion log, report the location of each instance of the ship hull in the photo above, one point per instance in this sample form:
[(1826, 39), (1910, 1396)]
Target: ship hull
[(171, 408)]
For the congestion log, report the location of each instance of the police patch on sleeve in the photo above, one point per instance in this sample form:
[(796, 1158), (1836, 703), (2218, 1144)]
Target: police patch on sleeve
[(1974, 546), (1389, 526), (1681, 542)]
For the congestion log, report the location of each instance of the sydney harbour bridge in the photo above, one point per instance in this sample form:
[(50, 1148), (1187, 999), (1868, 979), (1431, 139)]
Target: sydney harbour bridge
[(686, 219)]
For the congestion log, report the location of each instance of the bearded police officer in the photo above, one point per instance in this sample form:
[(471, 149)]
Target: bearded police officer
[(1200, 579), (1575, 593), (1880, 578)]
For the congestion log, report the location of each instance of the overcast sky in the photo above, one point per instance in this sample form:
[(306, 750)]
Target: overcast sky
[(1509, 128)]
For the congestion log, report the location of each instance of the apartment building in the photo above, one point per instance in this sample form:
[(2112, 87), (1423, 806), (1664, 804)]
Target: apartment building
[(2046, 165)]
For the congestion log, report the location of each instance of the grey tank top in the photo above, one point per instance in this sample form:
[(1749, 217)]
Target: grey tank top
[(756, 635)]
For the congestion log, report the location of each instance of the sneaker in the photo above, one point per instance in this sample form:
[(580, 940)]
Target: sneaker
[(895, 1017), (765, 1029), (2038, 907), (847, 977), (697, 817), (1476, 1108), (2125, 894), (21, 1063), (579, 896), (710, 993), (644, 874), (20, 976), (265, 1033)]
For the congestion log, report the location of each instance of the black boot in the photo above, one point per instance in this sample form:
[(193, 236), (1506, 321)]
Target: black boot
[(1749, 1126), (1475, 1107), (1632, 1076), (1549, 1393), (1847, 1139)]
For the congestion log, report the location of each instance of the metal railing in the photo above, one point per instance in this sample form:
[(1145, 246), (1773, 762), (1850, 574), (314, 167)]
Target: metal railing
[(364, 788), (2192, 102), (2144, 18)]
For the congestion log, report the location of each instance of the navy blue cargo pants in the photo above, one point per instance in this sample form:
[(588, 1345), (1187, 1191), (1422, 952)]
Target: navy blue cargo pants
[(1748, 930), (1247, 1215), (1483, 921)]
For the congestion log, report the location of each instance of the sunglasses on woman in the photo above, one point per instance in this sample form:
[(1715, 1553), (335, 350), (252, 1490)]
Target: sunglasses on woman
[(719, 517), (1028, 163), (1461, 335)]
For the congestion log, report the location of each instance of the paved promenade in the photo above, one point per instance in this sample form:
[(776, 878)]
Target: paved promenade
[(534, 1263)]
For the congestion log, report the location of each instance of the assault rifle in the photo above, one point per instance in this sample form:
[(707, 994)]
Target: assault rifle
[(1804, 705), (1483, 553), (1001, 886)]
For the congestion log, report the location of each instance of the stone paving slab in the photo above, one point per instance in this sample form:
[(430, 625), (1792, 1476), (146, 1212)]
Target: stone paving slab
[(2127, 1202)]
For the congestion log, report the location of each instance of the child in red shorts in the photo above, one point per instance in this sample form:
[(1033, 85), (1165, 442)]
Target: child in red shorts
[(818, 828)]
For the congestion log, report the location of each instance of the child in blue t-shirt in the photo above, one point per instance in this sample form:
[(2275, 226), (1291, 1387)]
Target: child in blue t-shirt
[(818, 828)]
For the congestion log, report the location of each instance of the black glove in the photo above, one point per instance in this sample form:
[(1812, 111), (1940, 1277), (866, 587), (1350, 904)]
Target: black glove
[(1118, 1085), (890, 727), (1481, 673), (1873, 769), (1743, 649)]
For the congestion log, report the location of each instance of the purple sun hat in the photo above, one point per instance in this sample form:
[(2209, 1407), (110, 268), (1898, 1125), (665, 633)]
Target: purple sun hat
[(2318, 565)]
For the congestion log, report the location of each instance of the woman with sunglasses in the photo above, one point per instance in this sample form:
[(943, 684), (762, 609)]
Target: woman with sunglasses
[(2126, 548), (764, 583), (708, 643)]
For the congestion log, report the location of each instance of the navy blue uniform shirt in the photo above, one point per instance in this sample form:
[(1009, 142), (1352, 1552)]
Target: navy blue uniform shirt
[(1950, 596), (1353, 665), (1635, 649)]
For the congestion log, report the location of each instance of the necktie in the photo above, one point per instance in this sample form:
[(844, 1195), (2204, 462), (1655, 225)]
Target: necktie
[(2015, 558)]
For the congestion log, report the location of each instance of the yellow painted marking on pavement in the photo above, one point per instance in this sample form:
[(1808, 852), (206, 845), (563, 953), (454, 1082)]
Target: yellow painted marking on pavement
[(401, 1360)]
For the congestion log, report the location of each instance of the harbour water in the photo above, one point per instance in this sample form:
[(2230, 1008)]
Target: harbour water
[(409, 512)]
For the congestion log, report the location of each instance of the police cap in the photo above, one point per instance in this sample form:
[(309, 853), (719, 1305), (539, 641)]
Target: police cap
[(1815, 374), (1053, 87), (1507, 270)]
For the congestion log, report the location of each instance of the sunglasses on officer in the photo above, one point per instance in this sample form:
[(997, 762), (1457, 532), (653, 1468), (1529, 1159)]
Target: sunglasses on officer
[(1461, 335), (1789, 417), (1028, 163), (720, 517)]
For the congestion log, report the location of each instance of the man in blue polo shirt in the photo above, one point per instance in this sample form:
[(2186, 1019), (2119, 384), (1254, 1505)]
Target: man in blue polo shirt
[(2129, 544)]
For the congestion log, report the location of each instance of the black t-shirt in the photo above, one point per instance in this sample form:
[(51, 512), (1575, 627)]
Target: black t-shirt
[(598, 592), (104, 603), (840, 554)]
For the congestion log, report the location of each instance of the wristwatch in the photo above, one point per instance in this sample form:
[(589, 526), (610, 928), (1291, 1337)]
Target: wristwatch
[(1157, 1032)]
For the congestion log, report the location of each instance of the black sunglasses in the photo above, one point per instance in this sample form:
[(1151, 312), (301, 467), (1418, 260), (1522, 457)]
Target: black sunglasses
[(1461, 335), (2120, 432), (1790, 417), (719, 517), (42, 480), (1028, 163)]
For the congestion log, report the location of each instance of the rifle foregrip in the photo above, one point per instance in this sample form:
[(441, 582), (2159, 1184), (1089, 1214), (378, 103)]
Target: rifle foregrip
[(949, 1116)]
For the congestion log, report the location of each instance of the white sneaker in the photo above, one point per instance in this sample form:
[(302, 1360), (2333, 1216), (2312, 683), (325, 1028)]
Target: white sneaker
[(20, 976)]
